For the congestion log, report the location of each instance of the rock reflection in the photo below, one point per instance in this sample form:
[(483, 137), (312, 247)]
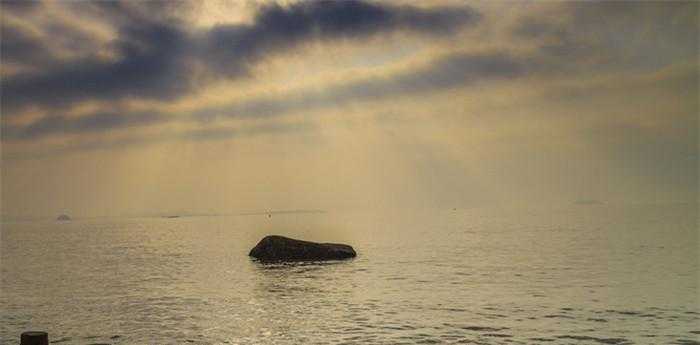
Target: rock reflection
[(291, 279)]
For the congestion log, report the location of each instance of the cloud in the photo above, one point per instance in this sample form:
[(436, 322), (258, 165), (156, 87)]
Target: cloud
[(150, 66), (451, 71), (229, 133), (18, 46), (231, 48), (613, 35), (19, 6), (96, 122), (138, 140), (159, 57)]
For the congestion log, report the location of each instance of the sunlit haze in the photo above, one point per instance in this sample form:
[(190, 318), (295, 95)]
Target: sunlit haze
[(141, 108)]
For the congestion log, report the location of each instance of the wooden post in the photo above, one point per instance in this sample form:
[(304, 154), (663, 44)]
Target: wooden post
[(34, 338)]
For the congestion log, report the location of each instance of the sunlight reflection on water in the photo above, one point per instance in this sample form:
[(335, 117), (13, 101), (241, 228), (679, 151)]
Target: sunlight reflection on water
[(583, 275)]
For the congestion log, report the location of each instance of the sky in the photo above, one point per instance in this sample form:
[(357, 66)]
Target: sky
[(116, 108)]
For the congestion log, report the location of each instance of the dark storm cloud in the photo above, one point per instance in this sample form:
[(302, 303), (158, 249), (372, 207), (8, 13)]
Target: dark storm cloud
[(150, 66), (231, 48), (18, 46), (445, 73), (156, 54), (19, 6)]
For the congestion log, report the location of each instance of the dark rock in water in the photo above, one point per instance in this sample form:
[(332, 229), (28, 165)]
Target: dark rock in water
[(63, 218), (280, 248)]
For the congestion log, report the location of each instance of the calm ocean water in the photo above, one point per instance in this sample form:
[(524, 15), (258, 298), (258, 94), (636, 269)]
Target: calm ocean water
[(589, 274)]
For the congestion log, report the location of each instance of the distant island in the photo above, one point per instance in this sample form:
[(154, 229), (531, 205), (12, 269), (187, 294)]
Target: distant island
[(270, 213), (63, 218)]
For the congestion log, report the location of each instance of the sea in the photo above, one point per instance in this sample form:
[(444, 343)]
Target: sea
[(574, 274)]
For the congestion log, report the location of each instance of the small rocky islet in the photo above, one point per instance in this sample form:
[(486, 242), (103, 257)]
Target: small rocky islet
[(63, 218), (279, 248)]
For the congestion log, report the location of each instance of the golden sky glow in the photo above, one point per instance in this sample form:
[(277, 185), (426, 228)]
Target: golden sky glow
[(112, 108)]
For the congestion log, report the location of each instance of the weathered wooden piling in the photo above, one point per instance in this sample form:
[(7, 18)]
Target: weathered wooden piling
[(34, 338)]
